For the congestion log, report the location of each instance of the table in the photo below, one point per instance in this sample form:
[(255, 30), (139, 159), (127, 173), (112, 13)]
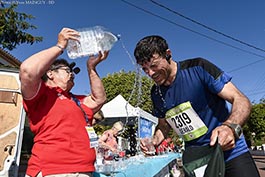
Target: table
[(140, 166)]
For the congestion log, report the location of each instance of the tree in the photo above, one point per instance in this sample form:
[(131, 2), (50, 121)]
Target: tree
[(132, 86), (13, 26), (135, 89), (255, 127)]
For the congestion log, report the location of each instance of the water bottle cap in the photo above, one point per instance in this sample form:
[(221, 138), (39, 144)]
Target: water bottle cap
[(118, 36)]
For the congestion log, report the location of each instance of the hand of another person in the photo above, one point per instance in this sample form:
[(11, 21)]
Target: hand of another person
[(147, 146), (66, 34), (225, 137)]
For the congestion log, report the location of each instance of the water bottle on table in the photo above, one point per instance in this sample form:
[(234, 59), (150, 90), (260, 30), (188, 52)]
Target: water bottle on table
[(99, 157)]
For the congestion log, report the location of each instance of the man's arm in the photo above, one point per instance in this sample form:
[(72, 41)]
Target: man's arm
[(161, 131), (241, 108)]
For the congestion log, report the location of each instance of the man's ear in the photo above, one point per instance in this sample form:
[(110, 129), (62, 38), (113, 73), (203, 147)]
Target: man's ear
[(168, 55)]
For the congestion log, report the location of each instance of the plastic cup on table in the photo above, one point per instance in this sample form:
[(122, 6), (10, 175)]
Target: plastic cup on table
[(149, 145)]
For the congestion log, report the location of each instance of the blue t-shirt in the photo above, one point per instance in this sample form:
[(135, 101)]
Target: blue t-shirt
[(198, 81)]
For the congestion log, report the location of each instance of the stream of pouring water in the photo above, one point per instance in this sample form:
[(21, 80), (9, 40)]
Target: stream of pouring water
[(137, 82), (134, 143)]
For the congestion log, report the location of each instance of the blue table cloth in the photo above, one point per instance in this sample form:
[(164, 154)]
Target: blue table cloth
[(139, 166)]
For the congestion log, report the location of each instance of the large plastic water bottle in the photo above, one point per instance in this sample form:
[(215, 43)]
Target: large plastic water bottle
[(92, 40)]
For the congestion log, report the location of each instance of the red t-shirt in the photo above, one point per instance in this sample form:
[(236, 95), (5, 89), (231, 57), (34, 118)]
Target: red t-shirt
[(61, 143)]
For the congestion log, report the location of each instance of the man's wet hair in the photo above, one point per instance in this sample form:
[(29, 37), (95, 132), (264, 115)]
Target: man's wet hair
[(148, 46)]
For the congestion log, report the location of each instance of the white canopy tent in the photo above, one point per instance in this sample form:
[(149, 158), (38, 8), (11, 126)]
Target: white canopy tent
[(118, 109)]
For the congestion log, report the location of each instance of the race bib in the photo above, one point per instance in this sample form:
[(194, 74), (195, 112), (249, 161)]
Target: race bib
[(186, 122), (92, 136)]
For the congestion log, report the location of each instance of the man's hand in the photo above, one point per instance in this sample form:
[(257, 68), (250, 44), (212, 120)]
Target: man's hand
[(225, 137), (147, 146)]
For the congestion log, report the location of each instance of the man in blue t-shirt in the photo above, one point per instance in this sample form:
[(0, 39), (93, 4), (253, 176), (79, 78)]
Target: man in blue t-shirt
[(191, 97)]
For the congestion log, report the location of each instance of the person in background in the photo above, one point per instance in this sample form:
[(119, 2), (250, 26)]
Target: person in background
[(200, 90), (108, 140), (58, 118)]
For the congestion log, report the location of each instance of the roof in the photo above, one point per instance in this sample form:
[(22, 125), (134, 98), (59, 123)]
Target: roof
[(10, 59)]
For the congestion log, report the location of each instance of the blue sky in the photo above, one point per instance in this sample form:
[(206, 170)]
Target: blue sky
[(242, 20)]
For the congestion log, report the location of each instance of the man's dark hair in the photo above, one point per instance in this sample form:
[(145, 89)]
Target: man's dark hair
[(148, 46)]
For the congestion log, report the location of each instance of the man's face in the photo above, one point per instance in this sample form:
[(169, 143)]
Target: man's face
[(157, 68)]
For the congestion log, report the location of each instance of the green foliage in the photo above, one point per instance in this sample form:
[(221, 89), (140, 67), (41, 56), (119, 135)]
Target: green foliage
[(131, 86), (13, 26), (255, 128)]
